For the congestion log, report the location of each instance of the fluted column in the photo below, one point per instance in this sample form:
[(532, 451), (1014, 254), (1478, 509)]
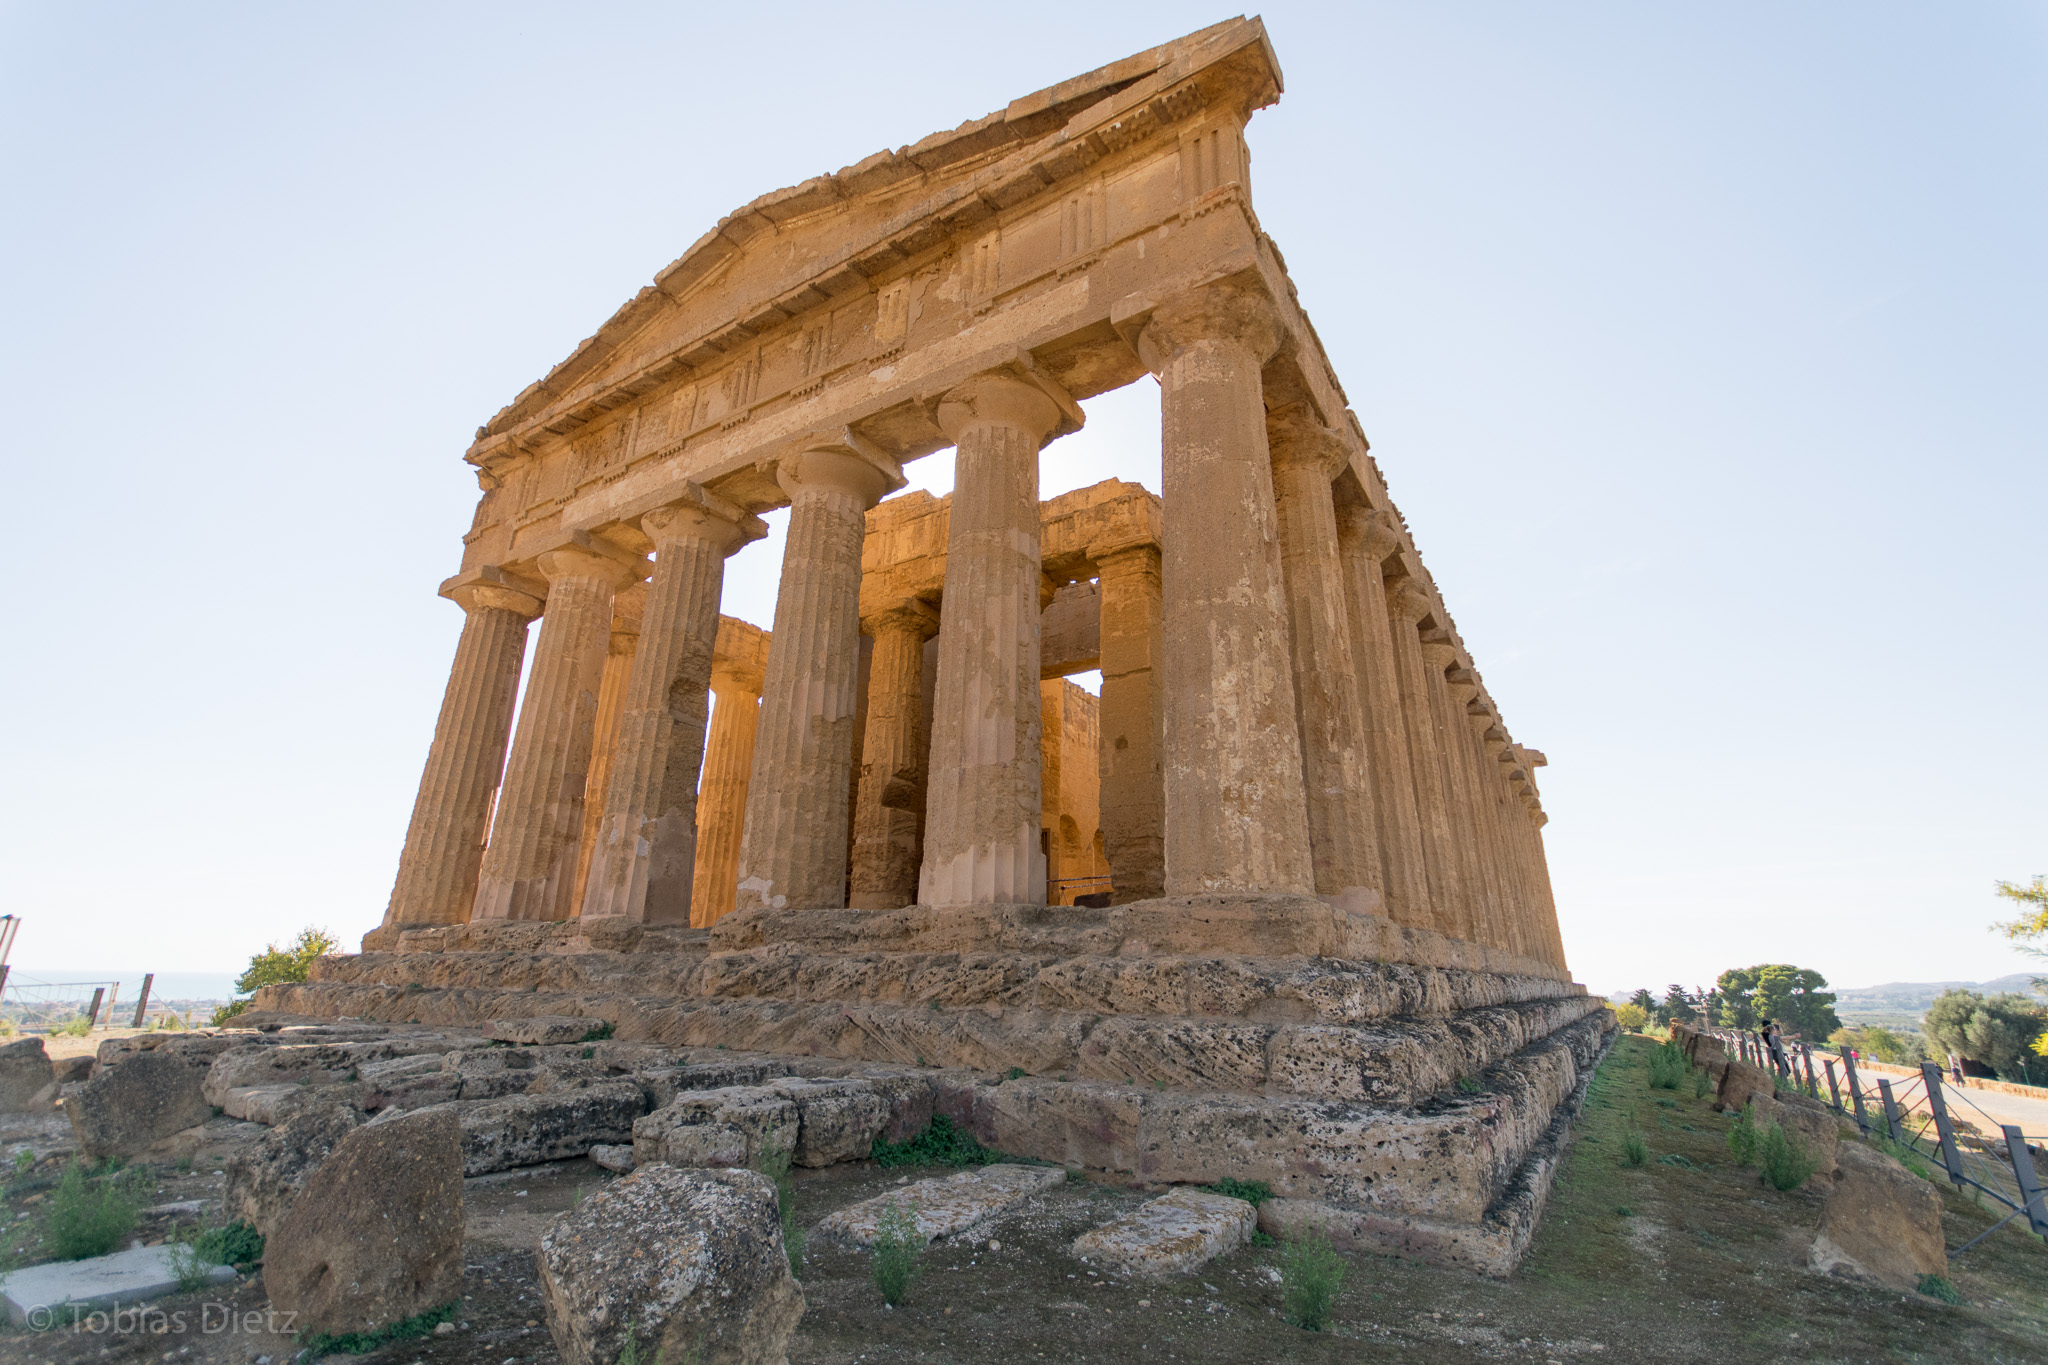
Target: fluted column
[(982, 810), (890, 801), (1343, 832), (1365, 538), (444, 842), (1505, 814), (793, 853), (722, 793), (1236, 810), (1133, 788), (529, 870), (647, 849), (604, 744), (1407, 605), (1475, 914), (1496, 900)]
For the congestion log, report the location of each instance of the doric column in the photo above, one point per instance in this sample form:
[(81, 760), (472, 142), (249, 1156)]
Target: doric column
[(1365, 538), (890, 801), (647, 848), (1475, 915), (1343, 832), (1407, 605), (444, 842), (1236, 812), (793, 853), (1133, 788), (1496, 900), (529, 870), (722, 793), (1506, 812), (611, 704), (982, 810)]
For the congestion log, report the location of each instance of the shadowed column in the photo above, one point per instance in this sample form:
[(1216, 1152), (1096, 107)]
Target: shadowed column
[(1365, 539), (1133, 787), (1496, 900), (793, 853), (1448, 727), (1236, 813), (722, 793), (887, 827), (1343, 833), (529, 869), (444, 842), (982, 807), (611, 704), (646, 853), (1407, 605)]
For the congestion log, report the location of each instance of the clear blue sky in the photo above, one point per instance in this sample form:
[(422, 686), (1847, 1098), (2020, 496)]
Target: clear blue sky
[(1703, 348)]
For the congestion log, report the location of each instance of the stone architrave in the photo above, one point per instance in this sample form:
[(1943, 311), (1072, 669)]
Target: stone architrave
[(1343, 832), (646, 854), (793, 851), (444, 843), (1365, 539), (1132, 782), (611, 704), (889, 804), (1407, 607), (529, 869), (982, 807), (1236, 809), (736, 682)]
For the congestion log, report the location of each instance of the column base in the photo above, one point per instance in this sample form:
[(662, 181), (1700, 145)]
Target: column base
[(989, 874)]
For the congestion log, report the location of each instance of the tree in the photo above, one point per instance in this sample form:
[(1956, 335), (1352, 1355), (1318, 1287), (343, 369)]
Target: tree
[(1676, 1004), (1791, 995), (1644, 1001), (1995, 1030), (1631, 1016), (275, 966), (1873, 1040)]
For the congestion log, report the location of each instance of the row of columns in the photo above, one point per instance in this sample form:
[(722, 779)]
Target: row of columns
[(1277, 716)]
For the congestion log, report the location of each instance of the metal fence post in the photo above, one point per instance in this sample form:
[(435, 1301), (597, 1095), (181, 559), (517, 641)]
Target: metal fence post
[(1891, 1111), (2023, 1171), (1806, 1056), (1937, 1104), (1856, 1094), (92, 1011), (142, 1005), (1834, 1091)]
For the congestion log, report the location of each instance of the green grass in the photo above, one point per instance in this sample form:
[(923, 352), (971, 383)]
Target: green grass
[(600, 1033), (1634, 1149), (1311, 1278), (1938, 1287), (940, 1144), (1253, 1192), (1785, 1159), (362, 1343), (91, 1217), (1668, 1067), (896, 1252)]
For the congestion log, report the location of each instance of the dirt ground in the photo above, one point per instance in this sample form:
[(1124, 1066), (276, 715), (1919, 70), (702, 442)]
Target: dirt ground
[(1687, 1258)]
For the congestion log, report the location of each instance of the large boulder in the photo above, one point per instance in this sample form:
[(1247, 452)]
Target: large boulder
[(126, 1108), (1881, 1222), (734, 1126), (525, 1130), (265, 1177), (691, 1261), (27, 1083), (1741, 1083), (375, 1235), (1807, 1121)]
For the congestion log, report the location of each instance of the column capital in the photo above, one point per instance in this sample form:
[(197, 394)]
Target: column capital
[(1031, 404), (865, 475), (1222, 311), (473, 597), (1440, 653), (1408, 601), (1376, 529), (1299, 441), (574, 561), (905, 614), (698, 515)]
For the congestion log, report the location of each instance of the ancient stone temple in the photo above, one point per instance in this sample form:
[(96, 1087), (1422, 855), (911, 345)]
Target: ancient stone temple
[(1274, 907)]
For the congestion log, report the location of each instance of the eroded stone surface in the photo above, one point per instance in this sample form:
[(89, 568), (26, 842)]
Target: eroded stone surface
[(1172, 1235), (1881, 1222), (28, 1084), (944, 1207), (123, 1109)]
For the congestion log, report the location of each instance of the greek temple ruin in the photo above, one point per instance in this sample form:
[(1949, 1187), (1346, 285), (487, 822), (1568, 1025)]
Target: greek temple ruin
[(1274, 906)]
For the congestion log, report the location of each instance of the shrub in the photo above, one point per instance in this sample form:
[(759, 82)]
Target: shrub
[(1785, 1158), (1311, 1277), (896, 1252), (1468, 1086), (1668, 1067), (90, 1217), (1938, 1287), (601, 1032), (1631, 1017), (74, 1028), (1902, 1154), (362, 1343), (1634, 1150), (1253, 1192), (1701, 1082), (229, 1011), (940, 1144), (1743, 1138)]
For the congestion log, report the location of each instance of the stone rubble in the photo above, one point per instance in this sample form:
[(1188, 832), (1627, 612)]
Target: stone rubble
[(946, 1206), (1175, 1234)]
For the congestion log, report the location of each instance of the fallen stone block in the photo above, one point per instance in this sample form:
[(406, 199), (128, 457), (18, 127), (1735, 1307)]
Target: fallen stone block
[(837, 1120), (71, 1070), (691, 1261), (1881, 1222), (28, 1083), (729, 1127), (375, 1235), (1172, 1235), (1806, 1122), (525, 1130), (274, 1104), (1741, 1083), (541, 1029), (946, 1206), (613, 1156), (664, 1083), (124, 1109), (126, 1276), (266, 1177)]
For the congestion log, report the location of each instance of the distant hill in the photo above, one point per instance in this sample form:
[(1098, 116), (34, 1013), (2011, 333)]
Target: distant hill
[(1913, 997)]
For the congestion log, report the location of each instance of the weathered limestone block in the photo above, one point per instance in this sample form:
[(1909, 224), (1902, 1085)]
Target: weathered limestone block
[(613, 1156), (1741, 1083), (540, 1029), (265, 1177), (71, 1070), (28, 1085), (275, 1104), (525, 1130), (1881, 1222), (663, 1083), (729, 1127), (1172, 1235), (944, 1207), (124, 1109), (837, 1120), (375, 1235), (1809, 1122), (691, 1263)]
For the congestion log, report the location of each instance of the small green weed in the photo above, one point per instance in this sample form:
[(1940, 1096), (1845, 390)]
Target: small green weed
[(1311, 1277), (76, 1028), (1668, 1067), (940, 1144), (773, 1162), (1938, 1287), (1253, 1192), (588, 1053), (1624, 1211), (25, 1161), (1676, 1159), (1466, 1086), (1785, 1159), (896, 1252), (600, 1033), (362, 1343), (1634, 1150), (1744, 1138), (1902, 1154), (1016, 1073), (91, 1217), (1701, 1083), (1260, 1238)]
